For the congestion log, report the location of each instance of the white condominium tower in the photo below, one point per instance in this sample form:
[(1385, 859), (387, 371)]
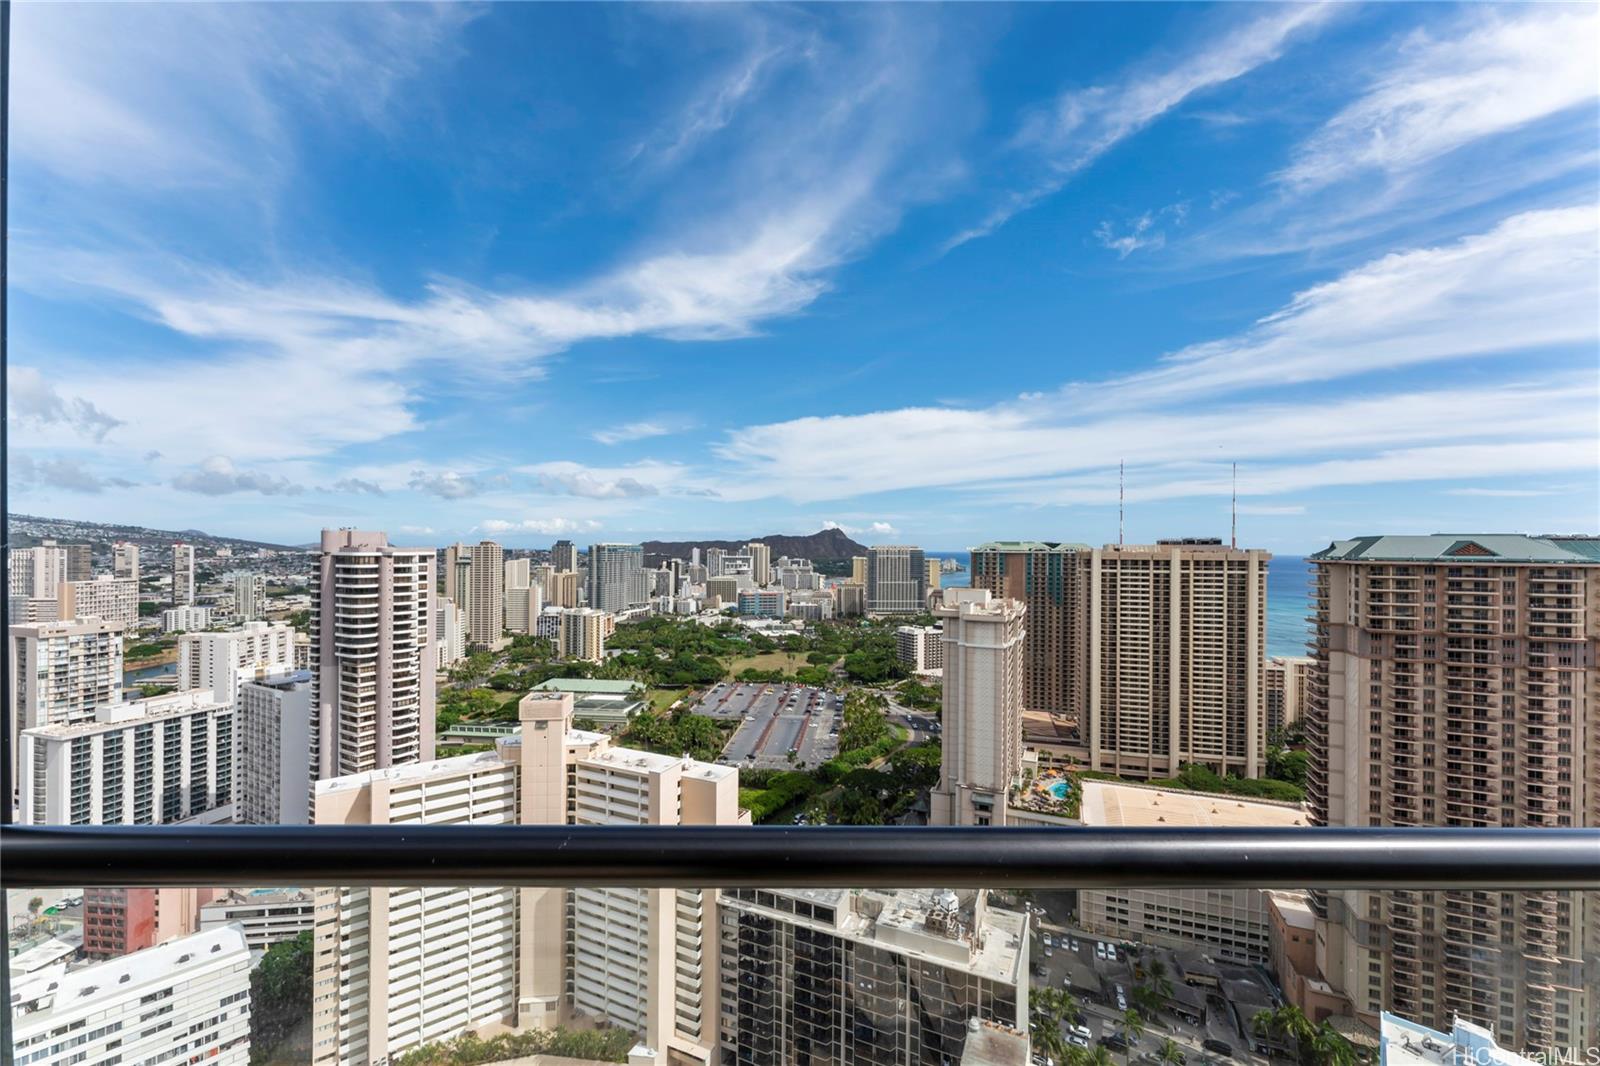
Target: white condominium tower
[(182, 575), (60, 673), (187, 1000), (273, 723), (1175, 633), (392, 965), (897, 580), (612, 584), (982, 709), (1456, 682), (219, 661), (159, 760), (372, 656), (125, 560), (37, 573), (524, 597), (249, 595)]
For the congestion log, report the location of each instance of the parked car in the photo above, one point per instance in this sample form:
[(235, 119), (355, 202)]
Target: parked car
[(1217, 1047), (1099, 949), (1074, 943), (1111, 952), (1122, 998), (1081, 1032)]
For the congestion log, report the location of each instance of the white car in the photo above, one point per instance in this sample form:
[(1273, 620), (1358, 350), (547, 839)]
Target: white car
[(1048, 942), (1074, 943), (1099, 950), (1111, 952)]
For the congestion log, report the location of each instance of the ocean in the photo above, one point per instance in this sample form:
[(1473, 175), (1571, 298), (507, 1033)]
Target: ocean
[(1288, 598)]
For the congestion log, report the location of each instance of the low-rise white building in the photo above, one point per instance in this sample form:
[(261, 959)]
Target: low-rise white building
[(114, 599), (187, 1000), (220, 661), (185, 619), (920, 649)]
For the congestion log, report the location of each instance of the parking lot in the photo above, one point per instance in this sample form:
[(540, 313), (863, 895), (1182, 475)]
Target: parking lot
[(1093, 978), (779, 725)]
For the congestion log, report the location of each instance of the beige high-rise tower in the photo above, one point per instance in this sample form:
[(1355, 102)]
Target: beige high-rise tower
[(389, 962), (982, 712), (1456, 682), (1175, 633), (182, 575), (372, 655)]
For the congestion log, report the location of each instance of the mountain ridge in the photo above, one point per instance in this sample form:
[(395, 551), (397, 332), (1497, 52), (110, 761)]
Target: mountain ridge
[(825, 545)]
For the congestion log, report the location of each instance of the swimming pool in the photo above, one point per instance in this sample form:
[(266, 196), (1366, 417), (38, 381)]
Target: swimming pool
[(1060, 789)]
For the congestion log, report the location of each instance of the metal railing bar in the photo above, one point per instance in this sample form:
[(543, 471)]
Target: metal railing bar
[(781, 856)]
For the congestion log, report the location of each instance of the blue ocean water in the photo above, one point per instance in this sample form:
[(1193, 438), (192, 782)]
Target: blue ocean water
[(1288, 598)]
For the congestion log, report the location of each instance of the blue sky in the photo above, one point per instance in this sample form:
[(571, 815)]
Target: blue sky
[(928, 274)]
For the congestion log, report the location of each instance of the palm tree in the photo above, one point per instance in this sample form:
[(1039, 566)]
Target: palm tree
[(1169, 1053), (1328, 1047), (1156, 976), (1131, 1025), (1098, 1056)]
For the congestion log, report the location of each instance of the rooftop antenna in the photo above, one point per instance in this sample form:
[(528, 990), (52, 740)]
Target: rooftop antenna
[(1233, 534), (1121, 480)]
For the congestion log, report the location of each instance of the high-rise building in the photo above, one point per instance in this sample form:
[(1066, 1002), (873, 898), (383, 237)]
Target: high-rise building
[(1283, 690), (869, 977), (220, 661), (564, 556), (373, 662), (114, 599), (851, 598), (562, 590), (249, 595), (858, 570), (1047, 577), (760, 562), (450, 633), (389, 962), (118, 921), (182, 575), (919, 648), (761, 603), (523, 604), (485, 606), (140, 762), (897, 580), (519, 573), (725, 590), (612, 585), (982, 708), (61, 672), (713, 562), (274, 728), (198, 986), (80, 560), (935, 575), (583, 633), (1176, 631), (1456, 682), (37, 573), (125, 560)]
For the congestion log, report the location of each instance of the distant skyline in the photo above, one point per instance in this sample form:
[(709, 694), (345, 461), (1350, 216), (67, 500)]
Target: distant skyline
[(927, 274)]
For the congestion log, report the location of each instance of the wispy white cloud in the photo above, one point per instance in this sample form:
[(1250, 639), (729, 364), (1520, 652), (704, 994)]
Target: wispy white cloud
[(34, 401), (1503, 493), (643, 430), (1081, 125), (542, 526), (59, 474), (1527, 285), (1141, 231), (1509, 67), (447, 485), (633, 481)]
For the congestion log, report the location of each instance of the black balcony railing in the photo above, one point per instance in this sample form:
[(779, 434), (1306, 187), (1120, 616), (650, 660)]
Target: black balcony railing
[(774, 856)]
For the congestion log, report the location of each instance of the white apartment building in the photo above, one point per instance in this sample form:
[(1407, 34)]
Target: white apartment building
[(60, 672), (523, 604), (919, 649), (373, 663), (1283, 690), (982, 708), (125, 560), (274, 727), (760, 562), (185, 619), (249, 595), (869, 977), (184, 1001), (183, 589), (1232, 922), (141, 762), (111, 598), (400, 967), (220, 661), (583, 633), (37, 573), (31, 611), (519, 573), (267, 916), (450, 633), (897, 580)]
